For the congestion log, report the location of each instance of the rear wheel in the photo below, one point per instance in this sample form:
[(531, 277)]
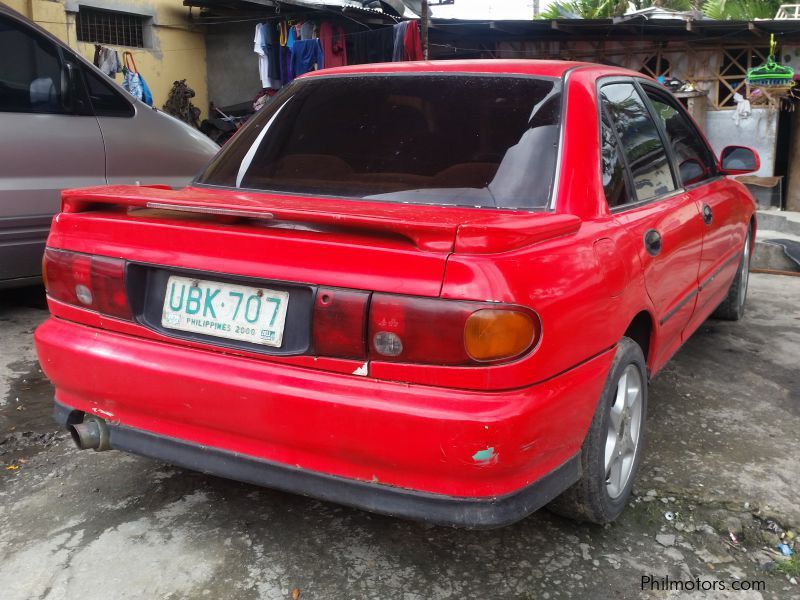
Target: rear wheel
[(612, 449), (732, 308)]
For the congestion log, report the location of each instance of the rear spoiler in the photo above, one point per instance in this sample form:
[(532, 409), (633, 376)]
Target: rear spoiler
[(430, 228)]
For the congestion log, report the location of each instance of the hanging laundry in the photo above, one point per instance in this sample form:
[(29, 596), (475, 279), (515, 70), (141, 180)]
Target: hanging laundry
[(307, 30), (286, 42), (332, 39), (286, 65), (371, 46), (282, 32), (399, 41), (260, 48), (133, 82), (107, 60), (413, 42), (272, 48), (307, 56)]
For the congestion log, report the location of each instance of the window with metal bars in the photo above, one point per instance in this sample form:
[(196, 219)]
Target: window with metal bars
[(114, 28)]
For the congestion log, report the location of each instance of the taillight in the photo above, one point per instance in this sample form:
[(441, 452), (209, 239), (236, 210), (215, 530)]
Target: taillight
[(492, 334), (339, 323), (448, 332), (93, 282)]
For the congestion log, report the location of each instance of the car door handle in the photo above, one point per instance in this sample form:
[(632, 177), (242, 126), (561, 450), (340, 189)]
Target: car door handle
[(652, 242), (708, 214)]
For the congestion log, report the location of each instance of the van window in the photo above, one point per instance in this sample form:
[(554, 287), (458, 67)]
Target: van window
[(486, 141), (30, 71), (106, 101)]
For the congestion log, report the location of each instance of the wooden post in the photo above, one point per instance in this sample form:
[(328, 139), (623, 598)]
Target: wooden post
[(425, 17)]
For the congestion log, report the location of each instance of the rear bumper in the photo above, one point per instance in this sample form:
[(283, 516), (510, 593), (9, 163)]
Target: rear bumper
[(476, 513), (445, 455)]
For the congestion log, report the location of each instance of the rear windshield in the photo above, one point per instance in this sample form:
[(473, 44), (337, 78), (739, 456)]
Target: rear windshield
[(486, 141)]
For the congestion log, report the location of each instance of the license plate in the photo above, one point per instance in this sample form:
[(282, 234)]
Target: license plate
[(224, 310)]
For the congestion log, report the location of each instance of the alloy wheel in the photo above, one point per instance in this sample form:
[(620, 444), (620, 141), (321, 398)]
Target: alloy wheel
[(624, 427), (745, 270)]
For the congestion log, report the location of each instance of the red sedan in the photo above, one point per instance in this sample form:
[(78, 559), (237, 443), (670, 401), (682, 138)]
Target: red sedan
[(431, 290)]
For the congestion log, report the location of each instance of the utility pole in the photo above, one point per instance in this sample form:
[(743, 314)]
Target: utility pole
[(535, 9), (426, 17)]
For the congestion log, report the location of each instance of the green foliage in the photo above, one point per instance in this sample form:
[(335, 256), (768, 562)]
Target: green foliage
[(588, 9), (741, 10), (789, 567), (605, 9)]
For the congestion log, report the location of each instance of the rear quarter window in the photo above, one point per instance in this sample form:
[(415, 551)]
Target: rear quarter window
[(469, 140)]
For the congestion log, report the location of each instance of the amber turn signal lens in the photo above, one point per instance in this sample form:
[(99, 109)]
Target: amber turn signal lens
[(497, 334), (44, 271)]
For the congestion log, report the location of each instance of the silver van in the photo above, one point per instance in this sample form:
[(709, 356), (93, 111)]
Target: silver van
[(64, 124)]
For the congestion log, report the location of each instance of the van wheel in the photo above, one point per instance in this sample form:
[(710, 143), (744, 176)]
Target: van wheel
[(613, 447), (732, 308)]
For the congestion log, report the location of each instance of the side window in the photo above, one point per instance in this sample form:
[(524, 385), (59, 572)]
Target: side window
[(106, 101), (641, 142), (30, 71), (691, 153), (615, 184)]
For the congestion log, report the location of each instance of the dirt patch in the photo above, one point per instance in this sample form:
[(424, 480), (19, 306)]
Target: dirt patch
[(26, 419)]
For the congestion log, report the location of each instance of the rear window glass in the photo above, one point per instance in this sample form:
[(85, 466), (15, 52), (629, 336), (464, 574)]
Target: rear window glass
[(467, 140)]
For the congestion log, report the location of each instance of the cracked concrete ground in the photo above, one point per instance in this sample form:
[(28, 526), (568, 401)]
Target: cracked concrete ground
[(723, 433)]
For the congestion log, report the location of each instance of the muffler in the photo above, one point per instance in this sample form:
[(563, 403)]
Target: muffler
[(92, 433)]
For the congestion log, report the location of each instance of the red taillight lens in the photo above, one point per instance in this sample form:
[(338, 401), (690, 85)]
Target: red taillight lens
[(448, 332), (339, 323), (417, 330), (108, 287), (92, 282)]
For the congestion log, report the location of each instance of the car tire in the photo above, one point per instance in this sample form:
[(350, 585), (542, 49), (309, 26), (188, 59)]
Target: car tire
[(609, 464), (732, 308)]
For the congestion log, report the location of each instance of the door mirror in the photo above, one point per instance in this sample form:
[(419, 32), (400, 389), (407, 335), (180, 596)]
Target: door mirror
[(692, 171), (738, 160)]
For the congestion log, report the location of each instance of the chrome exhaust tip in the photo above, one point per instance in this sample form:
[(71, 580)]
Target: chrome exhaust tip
[(92, 433)]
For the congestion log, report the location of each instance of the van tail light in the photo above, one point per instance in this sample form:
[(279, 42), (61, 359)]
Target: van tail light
[(92, 282), (448, 332), (340, 318)]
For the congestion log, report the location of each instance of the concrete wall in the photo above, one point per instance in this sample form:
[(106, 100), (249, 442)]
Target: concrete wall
[(759, 132), (173, 52), (232, 64)]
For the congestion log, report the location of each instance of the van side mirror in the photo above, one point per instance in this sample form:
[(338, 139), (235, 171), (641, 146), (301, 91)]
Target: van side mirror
[(738, 160)]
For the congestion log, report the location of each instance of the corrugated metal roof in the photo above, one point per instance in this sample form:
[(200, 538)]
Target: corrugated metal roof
[(232, 9), (636, 27)]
